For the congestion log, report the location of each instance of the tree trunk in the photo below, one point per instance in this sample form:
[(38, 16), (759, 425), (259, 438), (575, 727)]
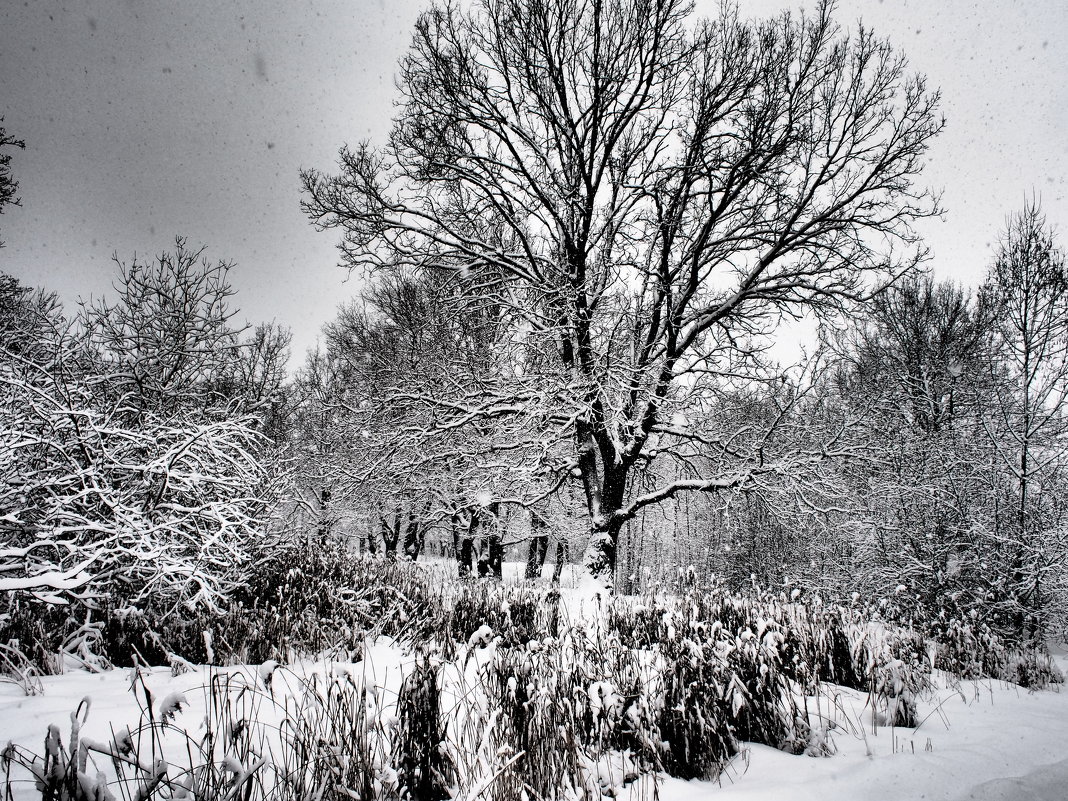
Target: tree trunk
[(391, 536), (454, 529), (563, 556), (491, 559), (495, 557), (539, 545), (464, 540), (325, 523), (415, 534), (604, 482), (600, 557)]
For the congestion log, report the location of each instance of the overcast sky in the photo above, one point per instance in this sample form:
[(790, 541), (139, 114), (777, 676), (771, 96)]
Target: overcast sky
[(147, 119)]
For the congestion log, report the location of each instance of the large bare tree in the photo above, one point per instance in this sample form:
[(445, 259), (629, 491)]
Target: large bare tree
[(648, 196)]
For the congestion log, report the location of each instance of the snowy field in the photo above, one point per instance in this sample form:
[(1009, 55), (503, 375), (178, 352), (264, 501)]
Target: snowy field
[(976, 740)]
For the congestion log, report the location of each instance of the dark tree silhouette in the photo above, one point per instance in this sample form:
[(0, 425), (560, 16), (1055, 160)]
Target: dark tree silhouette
[(9, 187)]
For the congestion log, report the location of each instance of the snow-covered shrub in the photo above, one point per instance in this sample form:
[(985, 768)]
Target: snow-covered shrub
[(897, 665), (489, 714), (36, 630), (423, 764), (535, 692), (129, 479), (296, 599), (518, 614), (16, 667), (322, 738), (729, 671), (969, 645), (564, 717), (91, 505), (818, 648), (693, 720), (1032, 669), (724, 686), (970, 649), (763, 705)]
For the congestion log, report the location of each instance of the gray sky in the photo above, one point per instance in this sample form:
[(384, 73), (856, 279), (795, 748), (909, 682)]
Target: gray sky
[(145, 119)]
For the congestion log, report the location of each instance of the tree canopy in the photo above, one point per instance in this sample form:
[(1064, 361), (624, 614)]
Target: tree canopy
[(644, 194)]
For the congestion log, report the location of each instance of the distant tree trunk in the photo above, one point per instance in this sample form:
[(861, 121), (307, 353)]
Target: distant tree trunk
[(391, 535), (412, 543), (415, 533), (464, 540), (539, 545), (325, 523), (491, 560), (563, 556), (372, 539), (495, 559), (455, 522)]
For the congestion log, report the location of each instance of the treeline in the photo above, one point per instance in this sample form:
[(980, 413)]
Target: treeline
[(156, 453), (584, 232), (580, 240), (917, 455)]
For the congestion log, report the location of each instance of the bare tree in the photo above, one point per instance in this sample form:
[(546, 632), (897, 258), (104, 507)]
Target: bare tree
[(169, 334), (253, 379), (920, 347), (913, 371), (391, 340), (1027, 294), (388, 459), (9, 187), (645, 199), (29, 318), (316, 438), (116, 478)]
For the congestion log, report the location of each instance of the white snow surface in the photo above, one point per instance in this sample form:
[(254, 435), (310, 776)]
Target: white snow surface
[(984, 741), (989, 742)]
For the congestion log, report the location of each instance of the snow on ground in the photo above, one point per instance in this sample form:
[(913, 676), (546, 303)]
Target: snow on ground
[(113, 707), (984, 741)]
